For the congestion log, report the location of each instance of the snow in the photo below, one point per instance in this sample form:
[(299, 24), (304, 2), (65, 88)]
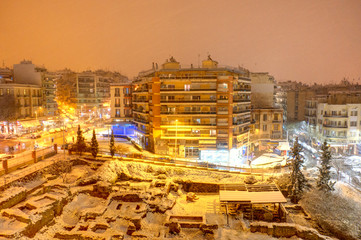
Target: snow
[(269, 160), (345, 190)]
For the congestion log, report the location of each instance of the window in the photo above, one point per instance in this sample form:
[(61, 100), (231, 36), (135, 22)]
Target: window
[(187, 87), (196, 97), (275, 116), (264, 127), (171, 98), (264, 117), (276, 127), (1, 92), (353, 124), (117, 112), (117, 92), (353, 113)]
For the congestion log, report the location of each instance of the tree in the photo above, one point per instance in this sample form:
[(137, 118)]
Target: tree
[(94, 146), (111, 145), (298, 180), (80, 142), (9, 108), (324, 177)]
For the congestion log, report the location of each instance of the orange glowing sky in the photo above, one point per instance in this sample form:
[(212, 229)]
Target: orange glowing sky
[(305, 40)]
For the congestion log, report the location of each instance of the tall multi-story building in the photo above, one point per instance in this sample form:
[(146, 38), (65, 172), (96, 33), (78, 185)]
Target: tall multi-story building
[(266, 130), (263, 90), (27, 73), (336, 118), (193, 112), (19, 102), (49, 93)]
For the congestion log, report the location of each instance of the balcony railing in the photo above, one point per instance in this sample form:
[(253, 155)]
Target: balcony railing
[(140, 100), (335, 126), (241, 100), (190, 124), (337, 116), (241, 111), (241, 89), (188, 100), (141, 120), (188, 90), (187, 112)]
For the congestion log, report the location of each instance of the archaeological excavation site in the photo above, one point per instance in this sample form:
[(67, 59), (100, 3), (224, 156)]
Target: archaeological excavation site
[(121, 199)]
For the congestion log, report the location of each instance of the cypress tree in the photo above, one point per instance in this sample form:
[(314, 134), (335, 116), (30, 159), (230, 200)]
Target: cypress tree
[(94, 145), (324, 176), (80, 141), (298, 180), (111, 145)]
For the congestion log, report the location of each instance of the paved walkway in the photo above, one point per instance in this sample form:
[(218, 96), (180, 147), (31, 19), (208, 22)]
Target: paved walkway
[(18, 174)]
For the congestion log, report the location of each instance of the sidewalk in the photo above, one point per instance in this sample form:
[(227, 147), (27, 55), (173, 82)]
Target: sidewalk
[(20, 173)]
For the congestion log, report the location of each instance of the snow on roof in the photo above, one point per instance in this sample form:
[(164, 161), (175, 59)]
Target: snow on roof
[(251, 193)]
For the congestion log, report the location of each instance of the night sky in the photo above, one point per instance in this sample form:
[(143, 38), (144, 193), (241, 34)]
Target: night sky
[(305, 40)]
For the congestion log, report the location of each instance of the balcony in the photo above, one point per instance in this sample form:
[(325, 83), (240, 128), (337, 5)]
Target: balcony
[(334, 126), (242, 89), (141, 120), (188, 124), (276, 121), (335, 116), (241, 100), (187, 112), (241, 122), (187, 90), (140, 100), (187, 100), (241, 111)]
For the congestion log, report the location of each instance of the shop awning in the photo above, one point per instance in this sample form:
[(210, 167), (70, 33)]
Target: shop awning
[(29, 124)]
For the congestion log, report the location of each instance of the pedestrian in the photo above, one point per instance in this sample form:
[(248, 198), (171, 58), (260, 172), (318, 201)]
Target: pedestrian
[(73, 139), (52, 140)]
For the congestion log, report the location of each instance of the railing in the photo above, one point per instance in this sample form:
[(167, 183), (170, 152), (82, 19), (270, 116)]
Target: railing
[(140, 100), (241, 100), (184, 112), (241, 89), (190, 124), (338, 116), (188, 90), (188, 100), (241, 111), (276, 121), (334, 126), (141, 120)]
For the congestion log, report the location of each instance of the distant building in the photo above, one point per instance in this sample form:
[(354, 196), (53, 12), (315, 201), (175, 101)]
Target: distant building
[(20, 102), (193, 112), (121, 108), (263, 93), (267, 120), (49, 81), (26, 73), (336, 118)]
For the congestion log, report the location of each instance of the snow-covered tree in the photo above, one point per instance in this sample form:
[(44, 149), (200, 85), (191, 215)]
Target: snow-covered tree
[(298, 180), (80, 141), (94, 145), (112, 147), (324, 176)]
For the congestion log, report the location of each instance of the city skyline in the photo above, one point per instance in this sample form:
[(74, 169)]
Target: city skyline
[(302, 41)]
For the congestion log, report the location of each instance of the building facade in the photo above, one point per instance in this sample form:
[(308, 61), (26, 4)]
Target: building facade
[(267, 130), (336, 118), (49, 81), (192, 112)]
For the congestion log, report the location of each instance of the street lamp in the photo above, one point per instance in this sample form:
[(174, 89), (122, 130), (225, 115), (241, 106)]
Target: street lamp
[(176, 137)]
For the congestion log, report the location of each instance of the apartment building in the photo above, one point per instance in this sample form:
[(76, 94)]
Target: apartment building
[(267, 129), (192, 112), (49, 81), (336, 118), (121, 109), (20, 102)]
